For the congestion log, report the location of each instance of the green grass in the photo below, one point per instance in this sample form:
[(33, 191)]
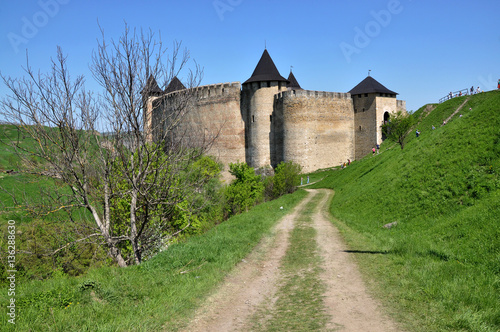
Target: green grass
[(437, 270), (299, 304), (161, 293), (441, 267)]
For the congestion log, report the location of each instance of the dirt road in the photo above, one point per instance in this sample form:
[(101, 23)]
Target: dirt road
[(256, 281)]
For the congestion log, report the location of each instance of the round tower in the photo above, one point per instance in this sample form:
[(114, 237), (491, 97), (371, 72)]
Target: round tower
[(257, 105)]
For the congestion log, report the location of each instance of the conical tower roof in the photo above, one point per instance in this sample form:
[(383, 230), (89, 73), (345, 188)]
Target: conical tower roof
[(265, 70), (292, 82), (152, 87), (174, 85), (370, 85)]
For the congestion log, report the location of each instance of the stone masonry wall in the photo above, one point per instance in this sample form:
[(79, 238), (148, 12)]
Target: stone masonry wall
[(383, 104), (316, 128), (257, 108), (213, 111), (364, 124), (401, 105)]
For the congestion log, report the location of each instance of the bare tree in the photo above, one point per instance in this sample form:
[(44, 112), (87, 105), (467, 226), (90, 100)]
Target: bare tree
[(131, 187)]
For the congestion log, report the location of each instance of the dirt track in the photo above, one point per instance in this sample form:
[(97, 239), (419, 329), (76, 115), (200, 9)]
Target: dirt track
[(256, 280)]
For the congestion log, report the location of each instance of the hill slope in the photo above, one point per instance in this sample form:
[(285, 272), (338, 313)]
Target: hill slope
[(442, 262)]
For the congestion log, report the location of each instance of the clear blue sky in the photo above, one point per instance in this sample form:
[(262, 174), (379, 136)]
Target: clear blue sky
[(421, 49)]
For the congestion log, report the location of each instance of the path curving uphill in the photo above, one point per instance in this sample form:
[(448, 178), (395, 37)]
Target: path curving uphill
[(299, 279)]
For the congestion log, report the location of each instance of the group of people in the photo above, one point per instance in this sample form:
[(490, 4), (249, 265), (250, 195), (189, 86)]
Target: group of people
[(472, 91), (302, 180), (345, 164), (478, 90)]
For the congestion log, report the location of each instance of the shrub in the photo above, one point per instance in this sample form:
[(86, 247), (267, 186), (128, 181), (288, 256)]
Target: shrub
[(245, 191), (286, 178)]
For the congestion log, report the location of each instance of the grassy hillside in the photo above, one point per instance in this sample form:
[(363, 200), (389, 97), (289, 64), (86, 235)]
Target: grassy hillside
[(440, 266), (438, 269)]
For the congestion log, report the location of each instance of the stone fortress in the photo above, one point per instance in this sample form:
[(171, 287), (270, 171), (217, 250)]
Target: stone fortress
[(269, 119)]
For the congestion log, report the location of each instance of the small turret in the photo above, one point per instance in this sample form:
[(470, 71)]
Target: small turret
[(175, 85), (151, 88), (292, 82)]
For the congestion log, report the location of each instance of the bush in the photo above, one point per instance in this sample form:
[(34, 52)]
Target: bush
[(286, 178), (245, 191)]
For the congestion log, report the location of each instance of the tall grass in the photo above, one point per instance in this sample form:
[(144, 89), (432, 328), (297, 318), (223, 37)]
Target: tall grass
[(161, 293), (441, 270)]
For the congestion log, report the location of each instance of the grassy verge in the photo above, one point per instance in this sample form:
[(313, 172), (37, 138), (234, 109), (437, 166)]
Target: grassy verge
[(299, 304), (440, 266), (159, 294)]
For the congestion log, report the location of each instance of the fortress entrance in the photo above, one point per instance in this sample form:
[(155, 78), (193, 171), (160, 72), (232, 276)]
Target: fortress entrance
[(386, 118)]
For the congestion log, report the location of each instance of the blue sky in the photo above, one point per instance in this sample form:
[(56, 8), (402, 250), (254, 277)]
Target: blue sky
[(418, 48)]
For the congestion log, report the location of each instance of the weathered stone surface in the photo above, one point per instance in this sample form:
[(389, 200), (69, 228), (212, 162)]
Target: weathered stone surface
[(263, 123), (315, 129)]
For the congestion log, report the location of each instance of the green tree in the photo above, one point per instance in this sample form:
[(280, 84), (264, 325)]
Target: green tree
[(245, 191), (148, 182), (286, 178), (398, 127)]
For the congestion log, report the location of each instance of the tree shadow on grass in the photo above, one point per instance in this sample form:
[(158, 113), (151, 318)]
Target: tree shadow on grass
[(373, 252)]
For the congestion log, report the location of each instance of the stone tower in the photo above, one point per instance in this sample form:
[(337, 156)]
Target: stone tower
[(150, 93), (269, 119), (257, 99), (373, 103)]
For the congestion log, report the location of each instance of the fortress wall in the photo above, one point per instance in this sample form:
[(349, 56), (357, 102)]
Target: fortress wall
[(257, 108), (213, 111), (401, 106), (364, 124), (318, 128), (313, 94), (383, 104)]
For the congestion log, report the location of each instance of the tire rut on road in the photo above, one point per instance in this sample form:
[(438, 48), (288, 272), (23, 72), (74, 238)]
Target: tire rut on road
[(255, 281)]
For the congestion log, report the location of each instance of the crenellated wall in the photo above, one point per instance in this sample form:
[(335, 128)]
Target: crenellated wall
[(401, 106), (313, 128), (212, 114), (263, 123)]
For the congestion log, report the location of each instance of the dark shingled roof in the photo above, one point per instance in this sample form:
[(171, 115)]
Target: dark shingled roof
[(152, 87), (292, 82), (174, 85), (370, 85), (265, 70)]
